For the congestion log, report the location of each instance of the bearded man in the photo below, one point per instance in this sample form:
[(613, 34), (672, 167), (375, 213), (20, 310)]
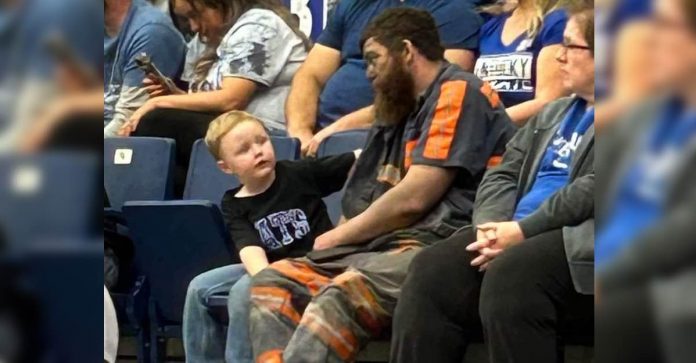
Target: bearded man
[(437, 128)]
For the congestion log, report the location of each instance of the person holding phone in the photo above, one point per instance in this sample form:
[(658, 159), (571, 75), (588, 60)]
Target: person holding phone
[(133, 27), (253, 51)]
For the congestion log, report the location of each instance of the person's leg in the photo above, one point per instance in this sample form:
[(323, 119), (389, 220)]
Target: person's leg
[(279, 295), (203, 335), (78, 132), (438, 308), (238, 341), (523, 293), (356, 307), (185, 127)]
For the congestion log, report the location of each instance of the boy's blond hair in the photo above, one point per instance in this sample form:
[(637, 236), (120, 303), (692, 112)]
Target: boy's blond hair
[(223, 124)]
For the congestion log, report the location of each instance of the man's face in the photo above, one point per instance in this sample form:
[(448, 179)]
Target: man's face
[(379, 63), (247, 152), (675, 44), (577, 60), (392, 81)]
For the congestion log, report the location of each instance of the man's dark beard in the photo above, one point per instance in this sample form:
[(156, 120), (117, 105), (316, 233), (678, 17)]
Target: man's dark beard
[(394, 99)]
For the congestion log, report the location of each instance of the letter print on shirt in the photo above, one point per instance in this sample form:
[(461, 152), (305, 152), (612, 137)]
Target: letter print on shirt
[(507, 72), (565, 149), (282, 228)]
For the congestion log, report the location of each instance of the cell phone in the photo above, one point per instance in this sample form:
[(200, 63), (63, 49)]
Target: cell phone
[(144, 62)]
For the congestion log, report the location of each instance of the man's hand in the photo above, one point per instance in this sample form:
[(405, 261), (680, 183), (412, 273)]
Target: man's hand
[(492, 239), (305, 138), (329, 239), (313, 144)]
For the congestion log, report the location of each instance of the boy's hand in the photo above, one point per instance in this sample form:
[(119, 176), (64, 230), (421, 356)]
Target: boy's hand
[(327, 240)]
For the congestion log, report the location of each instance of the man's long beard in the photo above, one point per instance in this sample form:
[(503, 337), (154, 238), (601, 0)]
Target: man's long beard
[(394, 100)]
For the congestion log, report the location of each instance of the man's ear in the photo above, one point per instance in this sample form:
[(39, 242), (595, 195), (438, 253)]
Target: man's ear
[(224, 167), (408, 51)]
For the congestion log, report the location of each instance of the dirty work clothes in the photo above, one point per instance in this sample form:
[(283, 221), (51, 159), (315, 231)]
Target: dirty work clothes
[(327, 309)]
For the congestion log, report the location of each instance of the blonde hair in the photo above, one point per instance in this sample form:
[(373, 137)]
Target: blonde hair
[(222, 125), (541, 7)]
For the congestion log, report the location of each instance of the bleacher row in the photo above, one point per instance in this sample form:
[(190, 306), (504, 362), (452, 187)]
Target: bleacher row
[(175, 240)]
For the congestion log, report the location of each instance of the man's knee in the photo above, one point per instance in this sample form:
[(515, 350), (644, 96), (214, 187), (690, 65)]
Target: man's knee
[(431, 266), (502, 297)]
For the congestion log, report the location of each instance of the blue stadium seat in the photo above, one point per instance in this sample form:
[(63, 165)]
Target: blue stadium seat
[(138, 168), (177, 240), (339, 143), (49, 196), (65, 279)]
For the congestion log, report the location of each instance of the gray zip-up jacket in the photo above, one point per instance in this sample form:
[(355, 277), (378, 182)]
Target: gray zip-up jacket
[(571, 208), (663, 257)]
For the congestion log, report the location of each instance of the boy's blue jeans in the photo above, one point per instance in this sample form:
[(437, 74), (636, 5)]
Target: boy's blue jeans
[(204, 336)]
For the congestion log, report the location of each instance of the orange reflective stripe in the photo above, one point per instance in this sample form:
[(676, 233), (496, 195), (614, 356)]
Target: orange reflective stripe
[(302, 274), (494, 161), (271, 356), (275, 299), (340, 339), (410, 145), (444, 123), (370, 313), (491, 94)]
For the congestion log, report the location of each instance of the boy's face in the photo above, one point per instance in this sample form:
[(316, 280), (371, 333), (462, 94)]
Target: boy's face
[(247, 152)]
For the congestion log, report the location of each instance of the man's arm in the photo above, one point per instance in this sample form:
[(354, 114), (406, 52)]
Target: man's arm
[(303, 100), (362, 118), (406, 203)]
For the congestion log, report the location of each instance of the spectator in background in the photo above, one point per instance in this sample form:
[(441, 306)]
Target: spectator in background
[(437, 127), (254, 49), (645, 244), (517, 50), (132, 27), (625, 42), (533, 233), (330, 90), (28, 87)]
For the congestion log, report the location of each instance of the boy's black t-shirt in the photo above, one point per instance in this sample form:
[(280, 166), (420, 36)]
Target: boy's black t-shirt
[(286, 218)]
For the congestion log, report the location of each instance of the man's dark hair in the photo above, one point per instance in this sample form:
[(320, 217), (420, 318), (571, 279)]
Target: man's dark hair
[(690, 12), (583, 11), (393, 26)]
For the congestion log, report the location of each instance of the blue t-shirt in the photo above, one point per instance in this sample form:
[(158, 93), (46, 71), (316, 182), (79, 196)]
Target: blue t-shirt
[(349, 89), (511, 69), (640, 198), (554, 168), (145, 30)]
